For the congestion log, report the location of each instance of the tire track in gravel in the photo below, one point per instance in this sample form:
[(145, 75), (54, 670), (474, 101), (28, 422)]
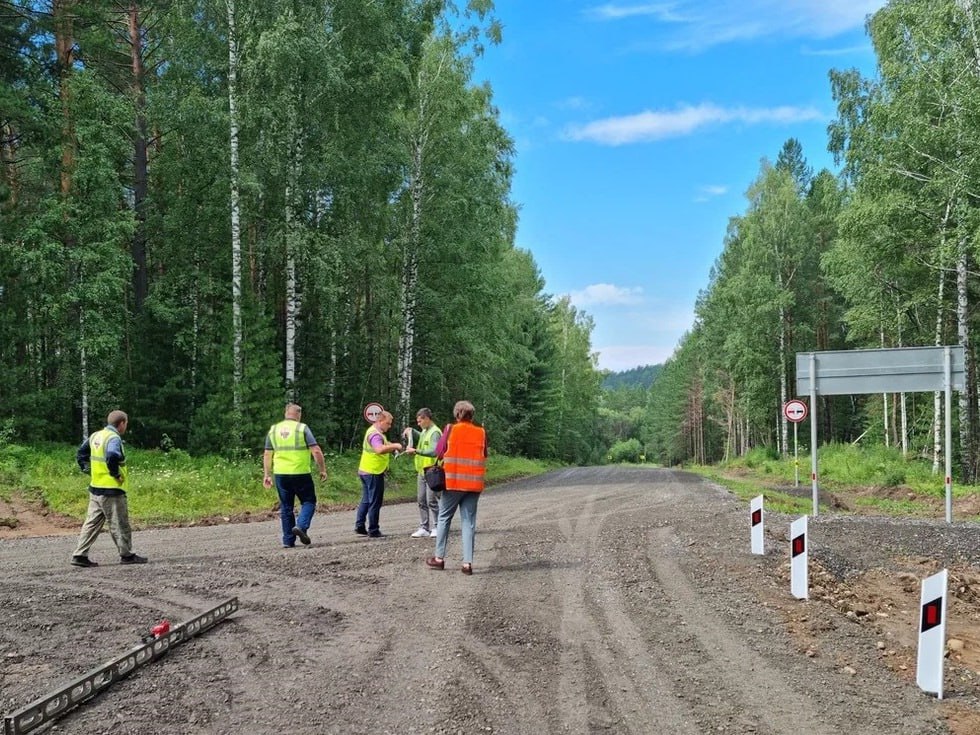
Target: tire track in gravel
[(739, 671), (617, 653)]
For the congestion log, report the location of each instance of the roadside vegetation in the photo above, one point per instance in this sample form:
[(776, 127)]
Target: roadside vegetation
[(175, 487), (872, 479)]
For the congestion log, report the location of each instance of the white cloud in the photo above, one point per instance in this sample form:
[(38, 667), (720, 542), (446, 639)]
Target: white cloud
[(710, 192), (651, 125), (624, 357), (839, 51), (605, 294), (700, 24), (573, 103), (612, 11)]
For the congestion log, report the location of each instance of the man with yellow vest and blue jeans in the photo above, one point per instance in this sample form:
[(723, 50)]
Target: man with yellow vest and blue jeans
[(375, 457), (102, 455), (289, 445), (425, 456)]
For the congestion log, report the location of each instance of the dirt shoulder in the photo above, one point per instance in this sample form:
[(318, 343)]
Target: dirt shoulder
[(606, 599)]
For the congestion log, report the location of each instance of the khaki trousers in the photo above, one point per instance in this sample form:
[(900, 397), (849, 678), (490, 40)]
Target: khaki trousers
[(102, 509)]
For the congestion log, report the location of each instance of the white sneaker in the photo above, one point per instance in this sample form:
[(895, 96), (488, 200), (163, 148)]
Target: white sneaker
[(433, 534), (421, 533)]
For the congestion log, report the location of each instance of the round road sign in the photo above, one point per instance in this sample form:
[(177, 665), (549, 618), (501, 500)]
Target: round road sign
[(795, 411), (372, 411)]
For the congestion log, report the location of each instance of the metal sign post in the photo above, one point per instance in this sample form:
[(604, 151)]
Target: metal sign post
[(795, 411)]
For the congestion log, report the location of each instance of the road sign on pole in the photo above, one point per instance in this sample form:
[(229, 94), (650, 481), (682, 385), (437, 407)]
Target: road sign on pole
[(372, 411), (795, 411)]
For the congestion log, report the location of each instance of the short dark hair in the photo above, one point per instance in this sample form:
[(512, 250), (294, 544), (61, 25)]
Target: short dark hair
[(424, 413)]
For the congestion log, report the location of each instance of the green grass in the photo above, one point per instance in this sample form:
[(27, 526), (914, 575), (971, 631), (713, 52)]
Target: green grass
[(840, 467), (747, 488), (173, 487)]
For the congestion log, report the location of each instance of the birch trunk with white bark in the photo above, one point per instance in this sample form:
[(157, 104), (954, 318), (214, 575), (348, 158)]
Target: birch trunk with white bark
[(238, 359)]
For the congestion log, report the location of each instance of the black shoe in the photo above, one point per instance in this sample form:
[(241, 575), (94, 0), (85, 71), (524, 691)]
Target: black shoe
[(360, 530), (376, 534), (132, 559), (83, 561), (301, 535)]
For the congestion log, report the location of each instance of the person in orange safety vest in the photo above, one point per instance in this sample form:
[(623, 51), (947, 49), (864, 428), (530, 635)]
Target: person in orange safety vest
[(463, 450)]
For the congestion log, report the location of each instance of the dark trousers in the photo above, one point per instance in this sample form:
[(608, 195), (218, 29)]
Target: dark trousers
[(292, 488), (372, 496)]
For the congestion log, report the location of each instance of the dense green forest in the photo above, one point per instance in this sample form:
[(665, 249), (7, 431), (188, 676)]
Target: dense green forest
[(208, 207), (883, 255)]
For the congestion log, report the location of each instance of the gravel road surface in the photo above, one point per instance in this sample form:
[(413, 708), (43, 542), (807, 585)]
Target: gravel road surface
[(608, 599)]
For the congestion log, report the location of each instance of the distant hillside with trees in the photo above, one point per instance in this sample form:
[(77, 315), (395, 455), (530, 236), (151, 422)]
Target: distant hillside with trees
[(638, 377)]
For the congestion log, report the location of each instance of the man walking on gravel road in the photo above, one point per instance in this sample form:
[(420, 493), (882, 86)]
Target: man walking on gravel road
[(289, 445), (102, 455)]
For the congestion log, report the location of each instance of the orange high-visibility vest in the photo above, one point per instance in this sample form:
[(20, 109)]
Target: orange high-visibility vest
[(465, 459)]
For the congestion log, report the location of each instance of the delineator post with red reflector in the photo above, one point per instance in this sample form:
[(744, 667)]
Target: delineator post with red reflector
[(756, 519), (799, 553), (932, 634)]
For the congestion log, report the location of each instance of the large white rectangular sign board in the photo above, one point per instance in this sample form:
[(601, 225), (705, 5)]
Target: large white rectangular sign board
[(892, 370)]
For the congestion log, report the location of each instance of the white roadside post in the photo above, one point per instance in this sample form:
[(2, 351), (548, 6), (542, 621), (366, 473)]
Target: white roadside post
[(799, 582), (758, 539), (932, 634)]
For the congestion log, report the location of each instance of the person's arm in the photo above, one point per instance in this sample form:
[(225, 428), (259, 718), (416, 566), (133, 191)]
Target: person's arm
[(83, 456), (267, 468), (380, 446), (443, 444), (318, 458), (413, 438), (113, 458)]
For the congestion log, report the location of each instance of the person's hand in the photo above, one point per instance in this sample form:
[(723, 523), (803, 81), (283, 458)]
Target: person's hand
[(323, 475), (398, 447), (267, 482), (410, 450)]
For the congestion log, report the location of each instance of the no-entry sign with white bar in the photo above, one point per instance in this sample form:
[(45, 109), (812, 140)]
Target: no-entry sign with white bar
[(755, 516), (932, 634), (798, 554)]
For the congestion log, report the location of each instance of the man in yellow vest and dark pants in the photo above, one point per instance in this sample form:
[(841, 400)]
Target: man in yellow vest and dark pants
[(103, 457), (288, 448), (375, 451)]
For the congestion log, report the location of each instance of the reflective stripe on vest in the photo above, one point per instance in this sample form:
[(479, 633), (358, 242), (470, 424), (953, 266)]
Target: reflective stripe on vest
[(427, 442), (464, 459), (99, 468), (371, 462), (290, 456)]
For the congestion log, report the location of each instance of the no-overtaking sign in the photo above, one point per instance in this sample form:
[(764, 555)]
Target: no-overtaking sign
[(795, 411)]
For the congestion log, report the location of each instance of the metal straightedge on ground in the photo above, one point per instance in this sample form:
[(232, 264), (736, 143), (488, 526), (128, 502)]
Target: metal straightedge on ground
[(55, 704)]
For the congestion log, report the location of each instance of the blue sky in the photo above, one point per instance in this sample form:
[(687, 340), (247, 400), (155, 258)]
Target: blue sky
[(639, 126)]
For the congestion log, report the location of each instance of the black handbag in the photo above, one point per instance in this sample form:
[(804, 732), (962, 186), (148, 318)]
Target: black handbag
[(435, 477)]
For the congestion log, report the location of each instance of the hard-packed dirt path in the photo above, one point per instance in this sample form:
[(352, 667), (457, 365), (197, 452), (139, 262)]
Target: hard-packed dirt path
[(610, 599)]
